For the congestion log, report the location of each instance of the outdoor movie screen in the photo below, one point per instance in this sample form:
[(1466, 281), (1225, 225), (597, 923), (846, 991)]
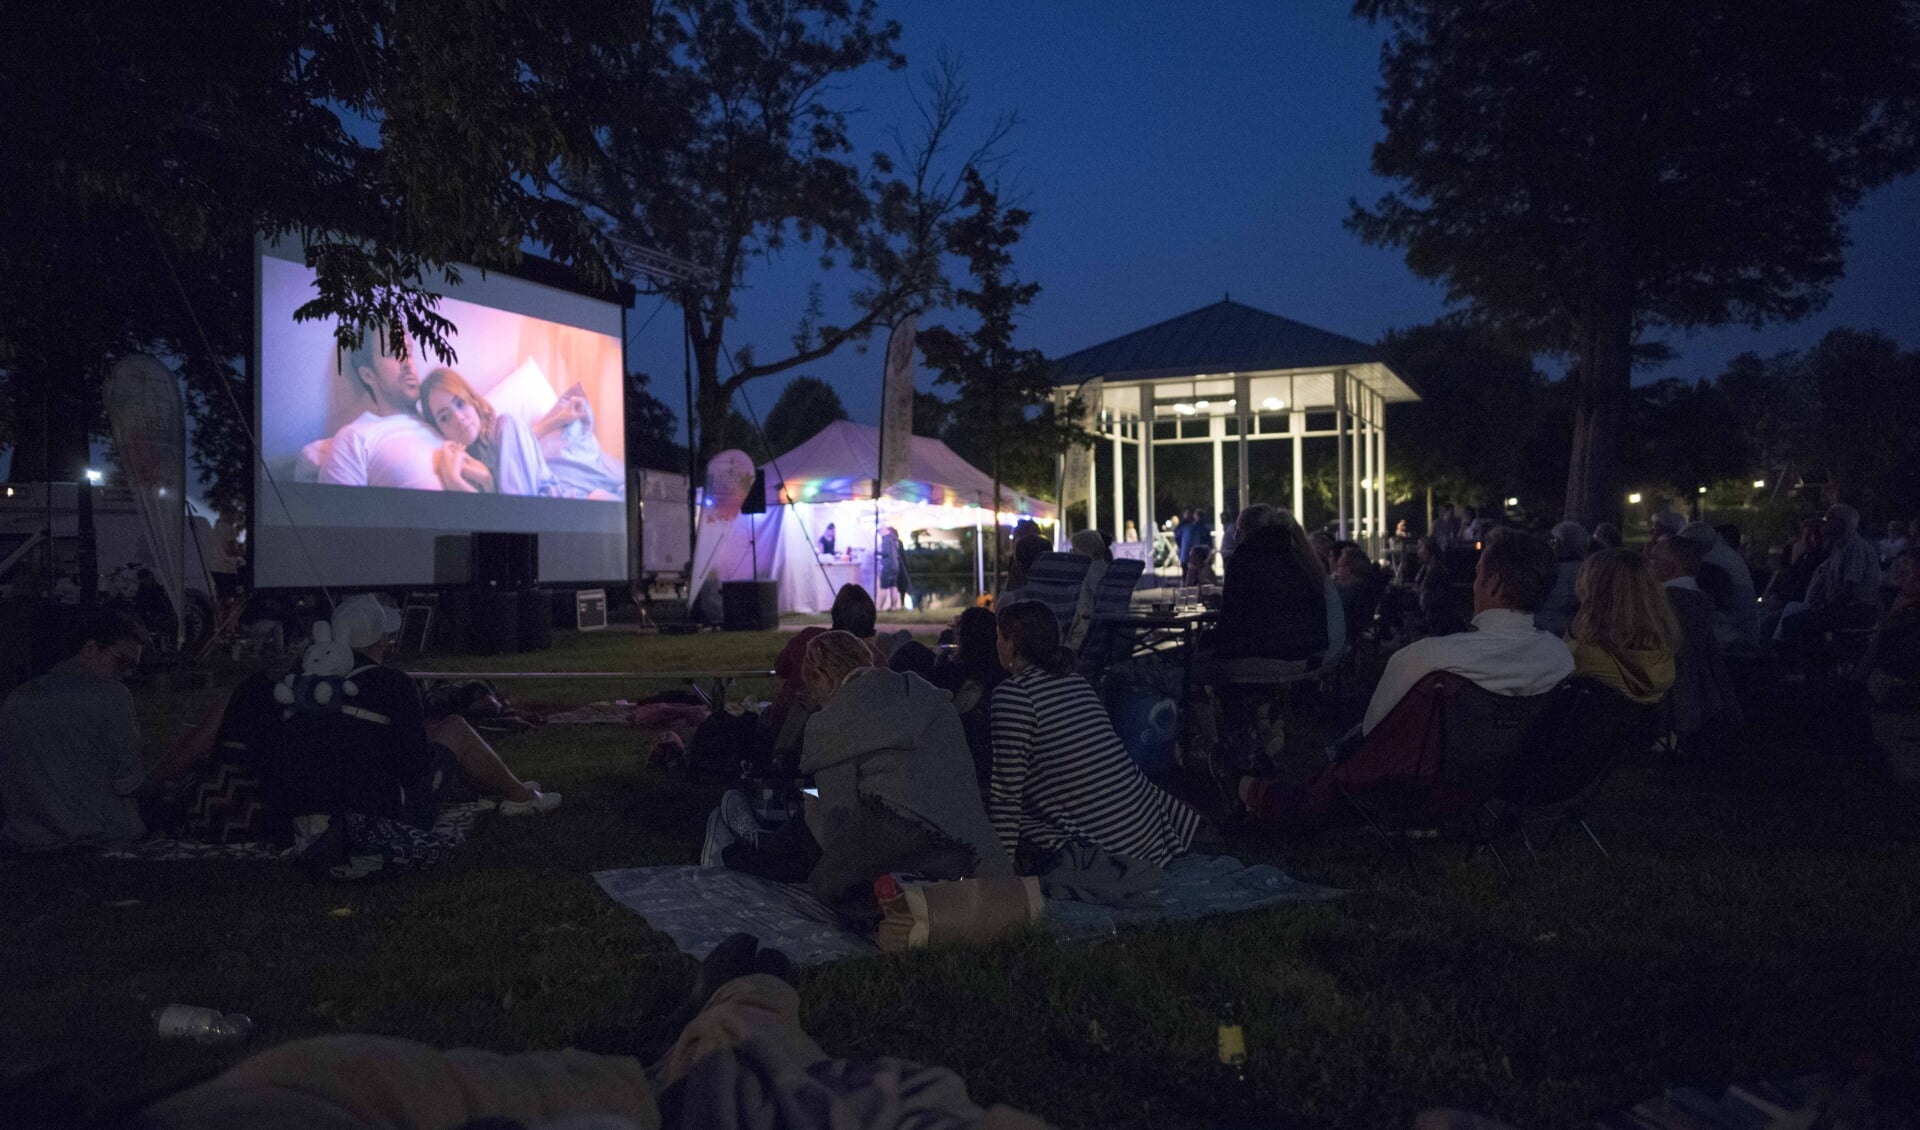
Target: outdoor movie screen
[(378, 464)]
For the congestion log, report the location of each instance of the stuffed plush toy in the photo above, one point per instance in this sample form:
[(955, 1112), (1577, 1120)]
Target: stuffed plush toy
[(324, 679)]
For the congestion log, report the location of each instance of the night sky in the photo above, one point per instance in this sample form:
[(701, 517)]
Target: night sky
[(1173, 153)]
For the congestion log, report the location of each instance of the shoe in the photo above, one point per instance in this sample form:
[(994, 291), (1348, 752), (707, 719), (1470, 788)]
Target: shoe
[(719, 838), (774, 964), (731, 959), (539, 804), (738, 812)]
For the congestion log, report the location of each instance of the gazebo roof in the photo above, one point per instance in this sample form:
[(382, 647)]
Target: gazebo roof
[(1224, 337)]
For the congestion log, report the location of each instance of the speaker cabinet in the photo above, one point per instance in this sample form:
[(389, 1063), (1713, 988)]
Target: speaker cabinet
[(750, 606), (496, 622), (508, 561), (536, 620)]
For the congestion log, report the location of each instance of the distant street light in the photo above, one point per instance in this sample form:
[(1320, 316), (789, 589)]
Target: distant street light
[(1759, 484), (1703, 490), (94, 476), (1634, 499), (1513, 502)]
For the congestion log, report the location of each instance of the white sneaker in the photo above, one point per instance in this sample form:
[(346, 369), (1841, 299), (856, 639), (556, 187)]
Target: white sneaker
[(740, 818), (539, 804), (718, 837)]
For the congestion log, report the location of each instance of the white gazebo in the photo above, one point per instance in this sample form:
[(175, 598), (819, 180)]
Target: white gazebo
[(1256, 391)]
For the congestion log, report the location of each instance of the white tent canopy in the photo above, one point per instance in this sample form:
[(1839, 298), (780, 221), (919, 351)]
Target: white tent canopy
[(829, 480)]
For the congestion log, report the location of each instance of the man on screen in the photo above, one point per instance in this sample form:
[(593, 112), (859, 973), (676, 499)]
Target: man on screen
[(388, 444)]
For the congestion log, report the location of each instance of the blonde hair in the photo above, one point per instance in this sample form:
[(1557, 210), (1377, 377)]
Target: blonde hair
[(831, 657), (456, 384), (1622, 608)]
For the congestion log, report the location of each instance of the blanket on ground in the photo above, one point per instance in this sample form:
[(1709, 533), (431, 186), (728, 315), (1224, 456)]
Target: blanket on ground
[(699, 907), (450, 830)]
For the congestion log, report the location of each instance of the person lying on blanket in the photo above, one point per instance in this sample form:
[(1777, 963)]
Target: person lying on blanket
[(1066, 800), (375, 755), (889, 759), (743, 1060), (70, 759), (1504, 654)]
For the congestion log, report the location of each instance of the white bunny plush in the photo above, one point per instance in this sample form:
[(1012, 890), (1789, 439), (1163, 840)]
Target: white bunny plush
[(322, 682)]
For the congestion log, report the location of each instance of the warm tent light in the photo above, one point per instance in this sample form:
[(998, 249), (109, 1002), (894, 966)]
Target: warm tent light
[(1513, 502), (1203, 405), (1183, 409), (1273, 404), (1366, 484), (1634, 498)]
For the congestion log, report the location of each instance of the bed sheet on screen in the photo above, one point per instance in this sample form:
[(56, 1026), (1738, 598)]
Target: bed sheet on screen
[(377, 459)]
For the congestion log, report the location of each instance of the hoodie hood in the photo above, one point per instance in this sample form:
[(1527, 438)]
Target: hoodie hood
[(1089, 543), (877, 709), (1642, 675)]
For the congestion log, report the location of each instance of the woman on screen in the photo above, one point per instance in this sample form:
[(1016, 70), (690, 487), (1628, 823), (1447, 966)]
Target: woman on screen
[(485, 451)]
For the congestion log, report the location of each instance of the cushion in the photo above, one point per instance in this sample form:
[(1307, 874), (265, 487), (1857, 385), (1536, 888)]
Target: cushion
[(916, 914), (523, 393)]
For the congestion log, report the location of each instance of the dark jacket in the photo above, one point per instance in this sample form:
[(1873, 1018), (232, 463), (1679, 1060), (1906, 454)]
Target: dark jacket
[(1702, 689), (1269, 607)]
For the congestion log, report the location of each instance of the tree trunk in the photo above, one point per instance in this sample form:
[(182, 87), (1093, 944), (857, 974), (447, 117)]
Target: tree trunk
[(1606, 378)]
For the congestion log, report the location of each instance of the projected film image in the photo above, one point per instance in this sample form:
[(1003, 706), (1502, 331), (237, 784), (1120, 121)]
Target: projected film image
[(380, 463), (526, 407)]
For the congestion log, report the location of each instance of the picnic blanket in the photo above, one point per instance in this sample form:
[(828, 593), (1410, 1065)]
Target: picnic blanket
[(450, 830), (699, 907)]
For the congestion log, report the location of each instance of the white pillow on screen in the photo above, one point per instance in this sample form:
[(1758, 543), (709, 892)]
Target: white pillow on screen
[(523, 393), (313, 456)]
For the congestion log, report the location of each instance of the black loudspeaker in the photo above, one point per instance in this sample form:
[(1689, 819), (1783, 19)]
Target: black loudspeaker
[(508, 561), (496, 622), (756, 500), (750, 606), (453, 621), (536, 620)]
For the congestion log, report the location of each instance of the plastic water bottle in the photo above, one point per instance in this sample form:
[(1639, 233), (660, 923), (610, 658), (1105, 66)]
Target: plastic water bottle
[(202, 1025)]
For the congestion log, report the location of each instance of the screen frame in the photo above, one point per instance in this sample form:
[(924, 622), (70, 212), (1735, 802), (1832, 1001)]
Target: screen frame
[(531, 270)]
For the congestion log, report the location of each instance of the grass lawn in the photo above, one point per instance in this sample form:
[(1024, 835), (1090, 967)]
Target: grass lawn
[(1741, 928)]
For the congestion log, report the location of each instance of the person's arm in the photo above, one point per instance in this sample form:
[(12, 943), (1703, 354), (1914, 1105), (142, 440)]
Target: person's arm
[(564, 411), (1014, 725), (193, 746), (121, 735)]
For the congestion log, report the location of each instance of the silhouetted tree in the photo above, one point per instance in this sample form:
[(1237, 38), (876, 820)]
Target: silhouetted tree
[(805, 406), (1004, 416), (1580, 174)]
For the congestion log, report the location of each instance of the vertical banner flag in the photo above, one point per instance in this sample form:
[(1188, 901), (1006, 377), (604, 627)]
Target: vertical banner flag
[(896, 407), (150, 439), (1076, 487)]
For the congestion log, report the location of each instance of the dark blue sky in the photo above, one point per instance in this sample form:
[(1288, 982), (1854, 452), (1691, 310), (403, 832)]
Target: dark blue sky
[(1172, 153)]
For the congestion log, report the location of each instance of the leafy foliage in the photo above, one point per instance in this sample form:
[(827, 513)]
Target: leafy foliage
[(1582, 175), (149, 145), (751, 153), (805, 406), (1004, 417), (650, 428)]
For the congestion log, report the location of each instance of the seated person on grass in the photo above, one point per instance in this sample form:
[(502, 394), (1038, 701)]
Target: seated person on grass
[(853, 612), (1067, 802), (1702, 702), (1624, 635), (970, 674), (375, 755), (895, 782), (744, 1060), (1844, 593), (70, 746), (1503, 653)]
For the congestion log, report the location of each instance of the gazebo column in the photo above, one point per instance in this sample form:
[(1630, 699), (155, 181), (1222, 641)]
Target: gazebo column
[(1380, 480), (1217, 428), (1296, 431), (1119, 480), (1243, 413), (1143, 451), (1340, 416), (1093, 486)]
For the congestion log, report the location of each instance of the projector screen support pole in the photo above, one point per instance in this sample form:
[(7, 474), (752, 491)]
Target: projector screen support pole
[(753, 542), (693, 447)]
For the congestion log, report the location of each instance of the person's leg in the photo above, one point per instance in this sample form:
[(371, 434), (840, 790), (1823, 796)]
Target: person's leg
[(477, 760)]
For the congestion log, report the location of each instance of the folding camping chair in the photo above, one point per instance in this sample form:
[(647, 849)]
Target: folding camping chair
[(1557, 778), (1114, 595), (1481, 738), (1054, 580)]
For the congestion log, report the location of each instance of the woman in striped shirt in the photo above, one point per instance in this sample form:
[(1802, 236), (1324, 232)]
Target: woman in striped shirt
[(1065, 798)]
